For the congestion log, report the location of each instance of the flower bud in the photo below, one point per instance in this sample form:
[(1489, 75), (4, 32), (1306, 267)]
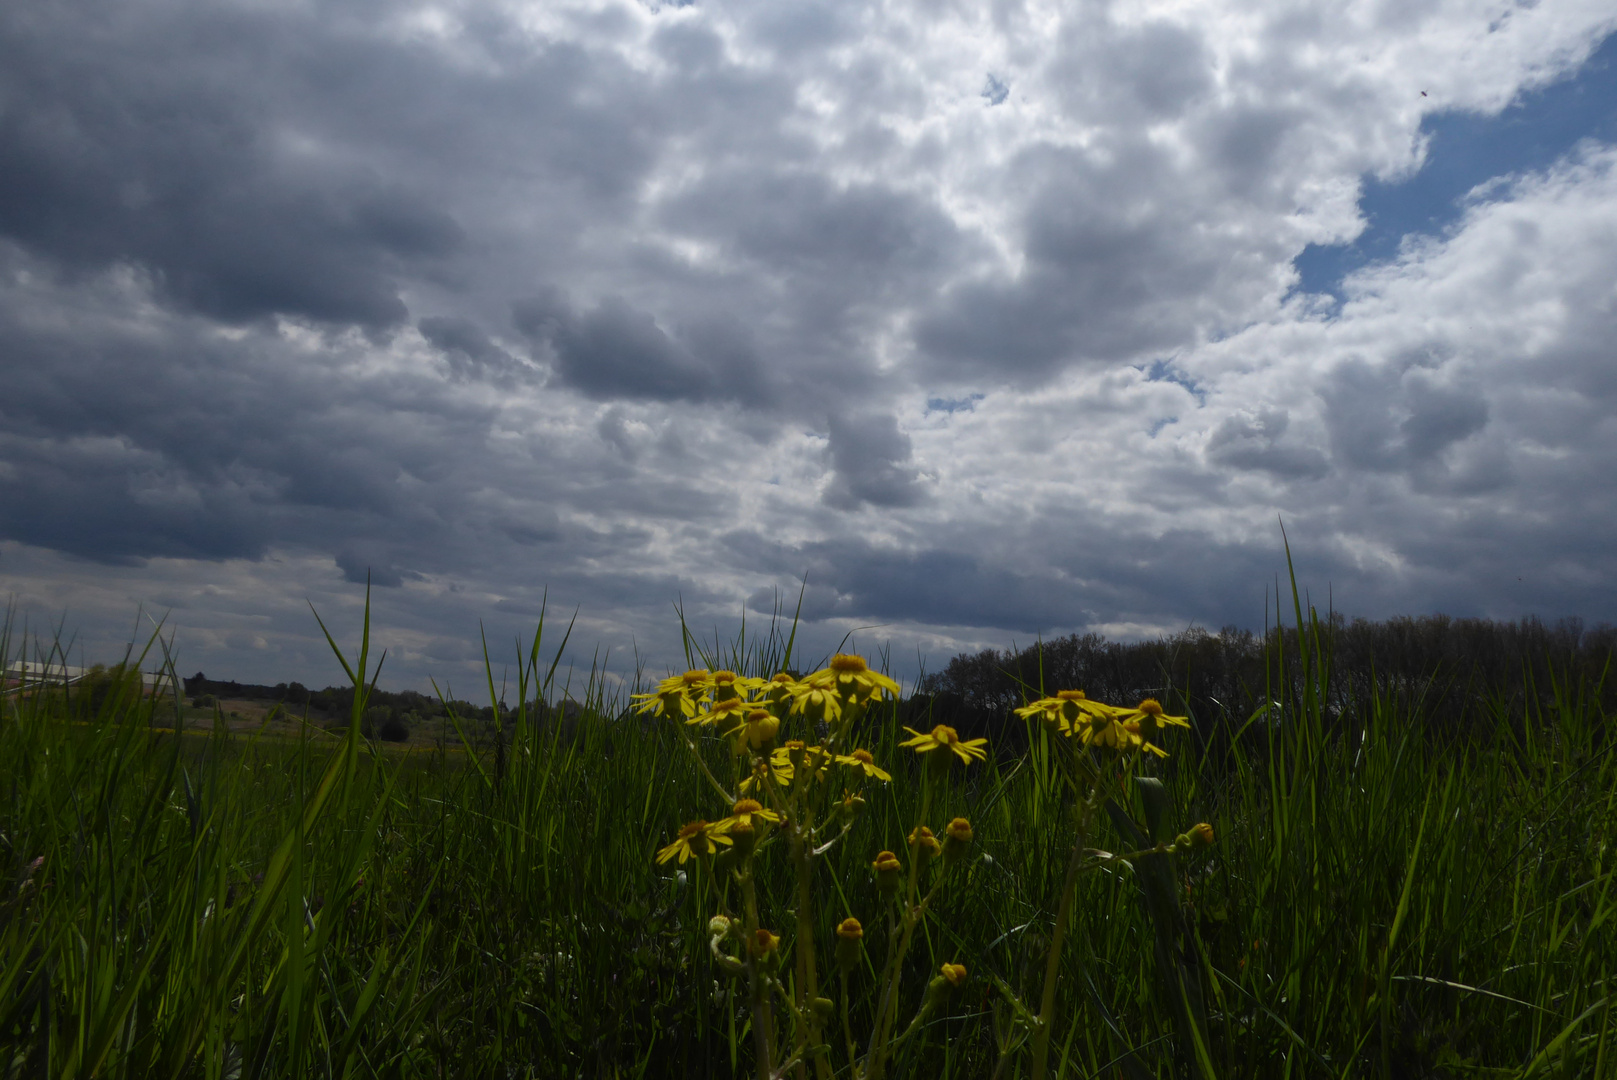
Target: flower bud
[(763, 943), (923, 844), (957, 839), (850, 939), (822, 1008), (719, 926), (888, 869), (851, 805), (949, 976), (1196, 836)]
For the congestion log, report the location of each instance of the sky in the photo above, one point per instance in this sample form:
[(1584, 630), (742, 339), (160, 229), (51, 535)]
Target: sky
[(965, 322)]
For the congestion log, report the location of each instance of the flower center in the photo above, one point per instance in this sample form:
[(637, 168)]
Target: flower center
[(852, 665)]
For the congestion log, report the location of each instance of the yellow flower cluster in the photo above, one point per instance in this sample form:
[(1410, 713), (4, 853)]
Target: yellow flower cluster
[(1092, 723)]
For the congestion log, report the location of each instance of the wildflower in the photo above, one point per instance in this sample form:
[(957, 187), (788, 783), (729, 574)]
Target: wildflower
[(923, 843), (745, 812), (1108, 731), (675, 694), (777, 765), (944, 737), (864, 760), (850, 937), (853, 680), (887, 869), (725, 715), (957, 838), (1067, 711), (727, 684), (763, 942), (955, 973), (1147, 719), (1151, 716), (757, 731), (696, 838), (815, 698)]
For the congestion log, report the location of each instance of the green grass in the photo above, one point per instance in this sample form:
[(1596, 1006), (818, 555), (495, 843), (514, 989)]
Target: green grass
[(1378, 903)]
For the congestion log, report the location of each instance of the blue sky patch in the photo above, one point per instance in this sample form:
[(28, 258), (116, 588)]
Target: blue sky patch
[(1467, 149)]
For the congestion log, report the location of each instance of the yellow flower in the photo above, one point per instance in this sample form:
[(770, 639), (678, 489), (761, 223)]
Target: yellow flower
[(744, 812), (955, 973), (850, 928), (816, 698), (1110, 732), (864, 760), (854, 681), (1148, 719), (944, 737), (723, 714), (849, 939), (677, 694), (757, 731), (1067, 711), (1132, 727), (763, 942), (696, 838), (778, 765), (957, 838)]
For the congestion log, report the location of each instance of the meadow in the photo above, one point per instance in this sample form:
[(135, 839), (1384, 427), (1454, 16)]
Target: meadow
[(1381, 897)]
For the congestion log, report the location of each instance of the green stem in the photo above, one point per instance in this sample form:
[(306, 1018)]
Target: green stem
[(763, 1026), (1052, 965)]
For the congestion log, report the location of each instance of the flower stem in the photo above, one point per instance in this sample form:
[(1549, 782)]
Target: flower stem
[(1052, 965), (763, 1027)]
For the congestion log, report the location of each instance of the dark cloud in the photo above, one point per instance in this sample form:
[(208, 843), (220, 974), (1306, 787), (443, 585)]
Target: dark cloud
[(614, 352), (117, 145), (469, 352), (1389, 420), (1254, 442), (871, 459)]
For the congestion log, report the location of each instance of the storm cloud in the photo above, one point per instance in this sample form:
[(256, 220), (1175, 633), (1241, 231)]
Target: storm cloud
[(961, 325)]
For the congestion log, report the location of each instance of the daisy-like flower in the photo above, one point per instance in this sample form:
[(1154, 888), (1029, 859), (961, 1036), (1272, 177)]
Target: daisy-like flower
[(1110, 732), (727, 684), (777, 765), (1066, 711), (697, 838), (1137, 738), (944, 737), (675, 695), (747, 812), (723, 714), (754, 729), (853, 680), (1150, 718), (865, 761), (816, 698)]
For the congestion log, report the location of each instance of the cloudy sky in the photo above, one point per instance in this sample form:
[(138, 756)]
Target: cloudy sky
[(986, 319)]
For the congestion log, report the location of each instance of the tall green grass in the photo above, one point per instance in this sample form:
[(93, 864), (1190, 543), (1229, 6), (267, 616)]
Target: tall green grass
[(1381, 902)]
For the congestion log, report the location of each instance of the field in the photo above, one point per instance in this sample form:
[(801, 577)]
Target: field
[(1381, 898)]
